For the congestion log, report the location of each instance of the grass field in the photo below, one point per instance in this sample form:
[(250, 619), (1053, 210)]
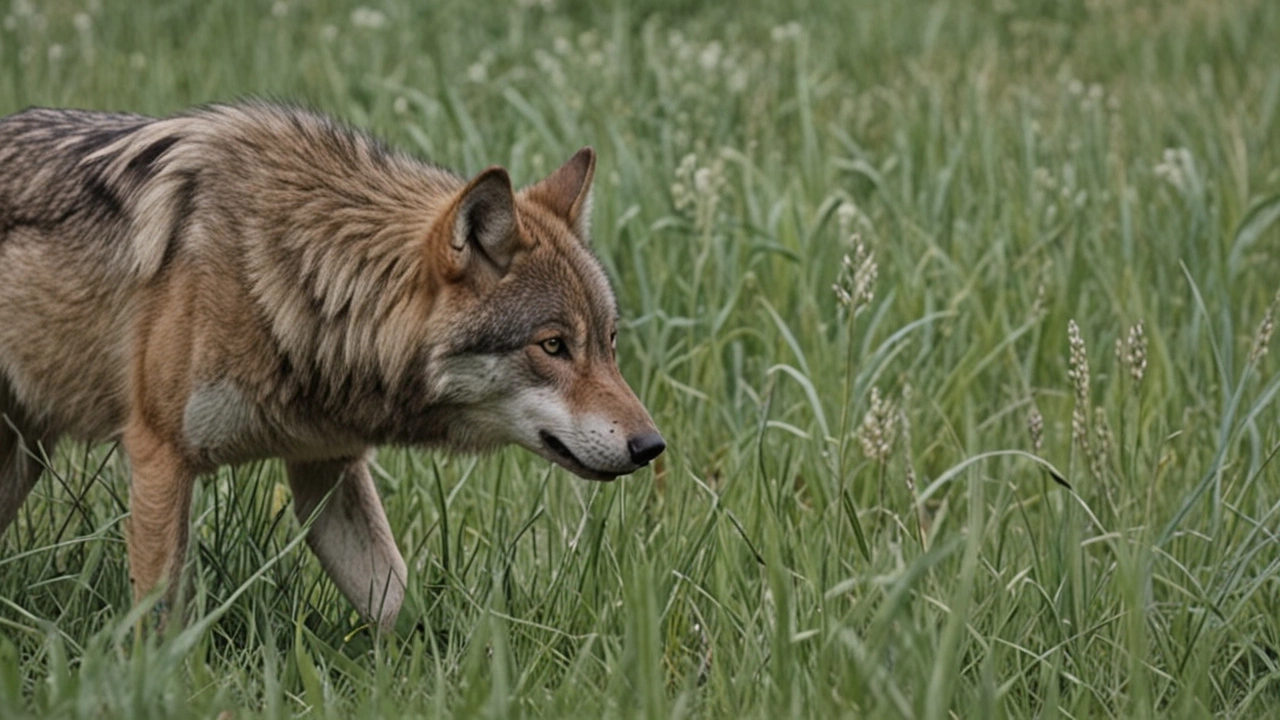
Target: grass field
[(857, 515)]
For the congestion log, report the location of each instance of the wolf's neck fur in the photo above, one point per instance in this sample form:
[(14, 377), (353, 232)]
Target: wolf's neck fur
[(335, 262)]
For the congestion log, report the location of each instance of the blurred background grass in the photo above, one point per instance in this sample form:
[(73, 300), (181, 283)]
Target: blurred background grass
[(827, 535)]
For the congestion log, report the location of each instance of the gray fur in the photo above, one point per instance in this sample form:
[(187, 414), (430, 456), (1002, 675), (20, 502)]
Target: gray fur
[(219, 415), (249, 281)]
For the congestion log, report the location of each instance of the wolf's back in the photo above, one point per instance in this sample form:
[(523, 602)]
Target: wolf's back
[(91, 182), (45, 182)]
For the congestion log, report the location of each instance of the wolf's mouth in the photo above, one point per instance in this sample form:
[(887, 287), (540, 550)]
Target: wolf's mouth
[(571, 461)]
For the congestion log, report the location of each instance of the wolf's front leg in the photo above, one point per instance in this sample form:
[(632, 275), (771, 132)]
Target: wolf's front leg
[(159, 509), (350, 534)]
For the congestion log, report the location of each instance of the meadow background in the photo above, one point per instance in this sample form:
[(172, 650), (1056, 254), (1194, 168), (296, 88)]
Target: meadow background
[(857, 515)]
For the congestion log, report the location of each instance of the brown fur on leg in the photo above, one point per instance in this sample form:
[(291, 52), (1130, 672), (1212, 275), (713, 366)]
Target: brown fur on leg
[(160, 503), (350, 534)]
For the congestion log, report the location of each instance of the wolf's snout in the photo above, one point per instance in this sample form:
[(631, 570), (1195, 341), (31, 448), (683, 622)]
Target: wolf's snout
[(646, 447)]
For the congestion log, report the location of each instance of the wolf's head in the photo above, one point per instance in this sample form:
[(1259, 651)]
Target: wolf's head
[(529, 323)]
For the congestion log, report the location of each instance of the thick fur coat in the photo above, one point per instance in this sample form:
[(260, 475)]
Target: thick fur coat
[(252, 281)]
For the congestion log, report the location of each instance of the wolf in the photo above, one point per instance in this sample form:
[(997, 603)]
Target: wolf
[(253, 280)]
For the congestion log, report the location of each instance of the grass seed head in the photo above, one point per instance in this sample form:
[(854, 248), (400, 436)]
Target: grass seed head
[(697, 190), (1262, 338), (1135, 352), (878, 428), (856, 287), (1080, 428), (368, 18), (1038, 307), (1035, 426), (1079, 364), (682, 192), (1079, 375), (1103, 441), (846, 215), (785, 33), (1173, 167)]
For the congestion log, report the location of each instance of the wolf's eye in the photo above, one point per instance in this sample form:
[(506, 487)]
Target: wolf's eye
[(554, 346)]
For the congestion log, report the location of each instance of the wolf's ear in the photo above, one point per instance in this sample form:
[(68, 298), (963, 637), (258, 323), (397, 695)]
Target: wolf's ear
[(567, 191), (484, 219)]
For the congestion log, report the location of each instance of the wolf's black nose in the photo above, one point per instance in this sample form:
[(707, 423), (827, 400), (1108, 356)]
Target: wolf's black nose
[(644, 448)]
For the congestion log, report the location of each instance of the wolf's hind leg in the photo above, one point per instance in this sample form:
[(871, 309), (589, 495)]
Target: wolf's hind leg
[(350, 534), (21, 448)]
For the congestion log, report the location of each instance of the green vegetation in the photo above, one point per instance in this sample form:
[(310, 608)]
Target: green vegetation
[(851, 519)]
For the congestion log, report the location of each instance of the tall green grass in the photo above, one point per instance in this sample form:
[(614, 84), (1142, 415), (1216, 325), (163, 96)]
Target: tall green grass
[(800, 551)]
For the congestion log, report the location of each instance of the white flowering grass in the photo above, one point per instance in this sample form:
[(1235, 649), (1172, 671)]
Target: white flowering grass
[(860, 250)]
